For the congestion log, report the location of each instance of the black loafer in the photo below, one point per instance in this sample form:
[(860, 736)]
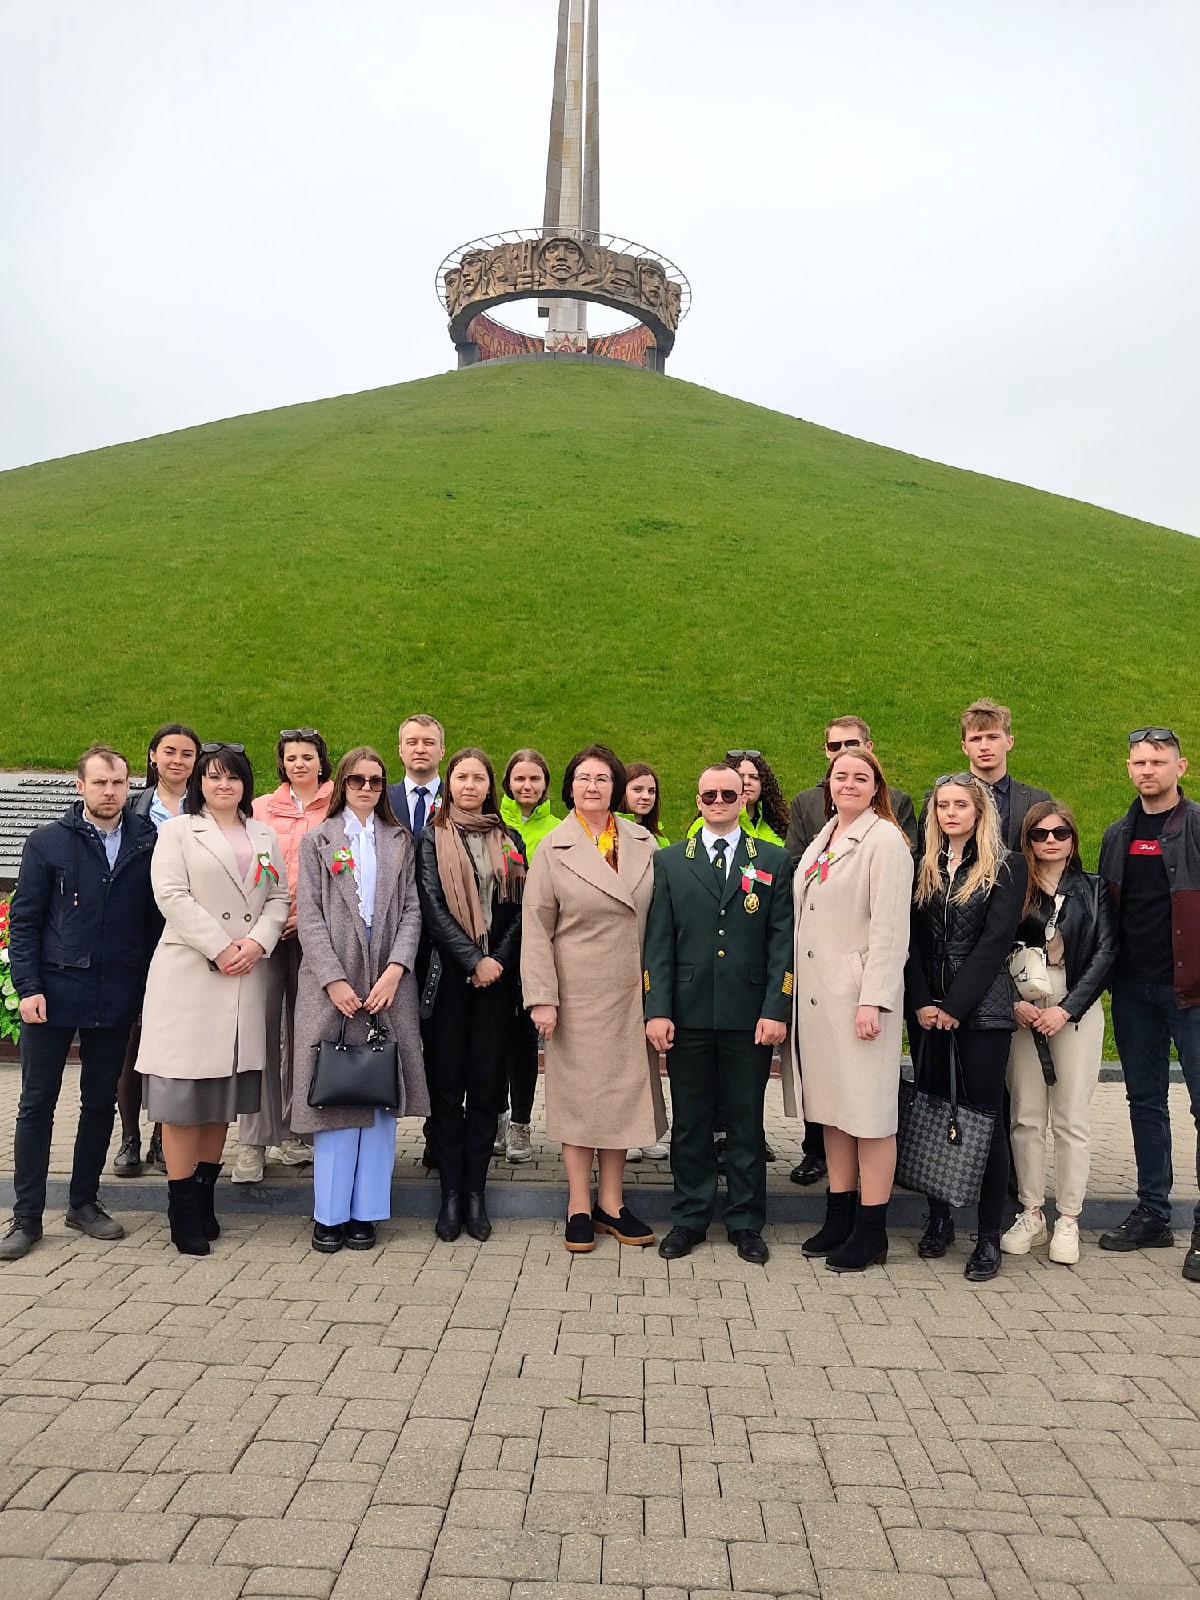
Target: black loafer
[(939, 1233), (479, 1224), (328, 1238), (679, 1242), (449, 1219), (751, 1246), (1141, 1230), (624, 1227), (579, 1235), (359, 1235), (810, 1170), (984, 1261)]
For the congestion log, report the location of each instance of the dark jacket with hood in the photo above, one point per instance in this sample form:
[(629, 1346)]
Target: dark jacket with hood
[(82, 933), (958, 956)]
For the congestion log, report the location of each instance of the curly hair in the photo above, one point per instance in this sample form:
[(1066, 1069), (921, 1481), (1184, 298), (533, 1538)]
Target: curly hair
[(770, 804)]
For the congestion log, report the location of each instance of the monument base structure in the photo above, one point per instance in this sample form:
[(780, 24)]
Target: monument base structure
[(525, 264)]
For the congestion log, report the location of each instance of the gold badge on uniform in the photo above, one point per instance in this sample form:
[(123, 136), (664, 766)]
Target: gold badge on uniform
[(751, 902)]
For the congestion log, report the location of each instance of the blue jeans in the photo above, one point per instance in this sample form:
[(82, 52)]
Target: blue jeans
[(1146, 1020), (44, 1050)]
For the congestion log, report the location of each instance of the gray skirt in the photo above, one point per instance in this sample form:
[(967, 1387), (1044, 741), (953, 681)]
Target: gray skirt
[(190, 1102)]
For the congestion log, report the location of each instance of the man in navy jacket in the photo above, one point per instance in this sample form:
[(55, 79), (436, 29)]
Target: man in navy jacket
[(82, 928)]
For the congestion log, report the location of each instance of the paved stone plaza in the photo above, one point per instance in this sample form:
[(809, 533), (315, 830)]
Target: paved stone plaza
[(479, 1422)]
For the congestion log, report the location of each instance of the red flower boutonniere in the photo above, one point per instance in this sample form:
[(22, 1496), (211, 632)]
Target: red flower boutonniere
[(264, 869), (820, 866), (513, 856), (753, 875), (342, 859)]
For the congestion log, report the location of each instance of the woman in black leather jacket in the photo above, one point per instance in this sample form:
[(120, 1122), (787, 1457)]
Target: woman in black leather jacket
[(470, 878), (966, 907), (1067, 914)]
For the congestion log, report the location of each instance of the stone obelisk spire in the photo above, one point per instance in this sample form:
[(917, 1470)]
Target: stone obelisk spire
[(573, 164)]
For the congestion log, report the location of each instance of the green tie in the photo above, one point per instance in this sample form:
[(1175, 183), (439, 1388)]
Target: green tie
[(720, 847)]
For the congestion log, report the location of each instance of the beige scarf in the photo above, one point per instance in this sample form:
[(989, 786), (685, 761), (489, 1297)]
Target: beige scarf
[(457, 873)]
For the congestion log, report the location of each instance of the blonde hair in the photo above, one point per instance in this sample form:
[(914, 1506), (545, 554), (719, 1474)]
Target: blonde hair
[(990, 856)]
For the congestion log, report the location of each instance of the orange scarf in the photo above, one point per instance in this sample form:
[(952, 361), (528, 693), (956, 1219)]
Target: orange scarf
[(606, 842)]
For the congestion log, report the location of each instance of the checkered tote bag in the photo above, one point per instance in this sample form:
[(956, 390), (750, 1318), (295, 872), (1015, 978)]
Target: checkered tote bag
[(941, 1145)]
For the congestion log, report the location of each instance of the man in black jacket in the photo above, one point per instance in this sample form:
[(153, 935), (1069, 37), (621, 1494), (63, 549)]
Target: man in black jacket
[(1150, 861), (82, 928), (987, 738)]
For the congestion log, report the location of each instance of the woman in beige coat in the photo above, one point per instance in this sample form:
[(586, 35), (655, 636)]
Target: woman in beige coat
[(220, 883), (586, 902), (852, 890)]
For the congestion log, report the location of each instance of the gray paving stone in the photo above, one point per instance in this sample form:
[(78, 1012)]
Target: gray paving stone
[(648, 1562), (30, 1579), (260, 1542), (846, 1536), (120, 1536), (377, 1574), (945, 1554), (214, 1494), (1135, 1551), (165, 1582), (294, 1583), (489, 1553), (583, 1513), (1057, 1560), (782, 1569)]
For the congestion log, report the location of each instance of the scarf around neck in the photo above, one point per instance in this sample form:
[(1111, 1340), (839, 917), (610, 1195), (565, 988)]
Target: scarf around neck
[(458, 875)]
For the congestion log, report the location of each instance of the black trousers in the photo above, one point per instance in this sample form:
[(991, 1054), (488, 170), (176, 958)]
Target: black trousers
[(984, 1056), (706, 1067), (466, 1045), (523, 1045), (813, 1142), (44, 1049)]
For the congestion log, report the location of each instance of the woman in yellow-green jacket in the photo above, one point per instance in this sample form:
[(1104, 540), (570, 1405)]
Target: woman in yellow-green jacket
[(642, 800)]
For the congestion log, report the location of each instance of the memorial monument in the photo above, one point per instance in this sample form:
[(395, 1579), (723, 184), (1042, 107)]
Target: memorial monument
[(567, 263)]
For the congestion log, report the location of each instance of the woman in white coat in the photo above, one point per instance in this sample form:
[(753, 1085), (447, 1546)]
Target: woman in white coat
[(219, 881), (852, 890)]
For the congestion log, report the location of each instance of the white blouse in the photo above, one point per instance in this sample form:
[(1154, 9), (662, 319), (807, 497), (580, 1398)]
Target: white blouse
[(361, 838)]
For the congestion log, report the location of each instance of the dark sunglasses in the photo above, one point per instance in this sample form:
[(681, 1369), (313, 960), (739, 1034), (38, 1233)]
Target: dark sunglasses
[(224, 744), (307, 734), (742, 755), (709, 797), (842, 744), (355, 780), (1153, 736), (1040, 835)]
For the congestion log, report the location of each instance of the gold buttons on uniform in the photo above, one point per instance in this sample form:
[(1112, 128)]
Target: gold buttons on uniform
[(720, 952)]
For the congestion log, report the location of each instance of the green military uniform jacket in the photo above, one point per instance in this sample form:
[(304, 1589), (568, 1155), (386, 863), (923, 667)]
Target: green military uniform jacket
[(710, 962)]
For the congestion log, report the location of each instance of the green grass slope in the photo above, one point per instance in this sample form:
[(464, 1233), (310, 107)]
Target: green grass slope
[(548, 554)]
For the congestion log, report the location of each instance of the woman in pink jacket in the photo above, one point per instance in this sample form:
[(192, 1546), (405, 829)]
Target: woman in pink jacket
[(299, 804)]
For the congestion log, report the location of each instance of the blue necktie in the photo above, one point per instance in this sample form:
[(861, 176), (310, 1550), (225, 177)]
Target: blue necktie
[(419, 812)]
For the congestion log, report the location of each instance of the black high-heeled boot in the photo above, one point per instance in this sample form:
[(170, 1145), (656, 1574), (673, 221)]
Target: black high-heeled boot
[(479, 1224), (838, 1224), (867, 1244), (183, 1214), (206, 1183), (450, 1218)]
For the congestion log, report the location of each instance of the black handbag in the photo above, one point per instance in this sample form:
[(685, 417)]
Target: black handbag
[(358, 1077), (941, 1145)]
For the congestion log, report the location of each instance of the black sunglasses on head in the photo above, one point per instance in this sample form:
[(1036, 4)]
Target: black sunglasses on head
[(709, 797), (742, 755), (1153, 736), (1062, 833), (223, 744), (299, 733), (963, 779)]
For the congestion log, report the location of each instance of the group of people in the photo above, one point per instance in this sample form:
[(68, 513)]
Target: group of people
[(203, 944)]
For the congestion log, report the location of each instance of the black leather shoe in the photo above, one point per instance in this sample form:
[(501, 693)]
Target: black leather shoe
[(155, 1159), (810, 1170), (428, 1159), (939, 1233), (984, 1261), (1191, 1261), (19, 1239), (751, 1246), (1141, 1230), (450, 1218), (479, 1224), (624, 1227), (359, 1235), (769, 1152), (680, 1241), (579, 1236), (328, 1238), (127, 1163)]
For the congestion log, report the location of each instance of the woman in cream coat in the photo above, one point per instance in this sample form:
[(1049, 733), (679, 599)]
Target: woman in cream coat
[(852, 889), (219, 880), (586, 901)]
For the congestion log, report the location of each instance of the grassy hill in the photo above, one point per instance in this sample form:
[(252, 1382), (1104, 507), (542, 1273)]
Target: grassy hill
[(547, 554)]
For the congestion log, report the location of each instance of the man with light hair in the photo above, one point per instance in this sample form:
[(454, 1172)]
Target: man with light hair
[(422, 747)]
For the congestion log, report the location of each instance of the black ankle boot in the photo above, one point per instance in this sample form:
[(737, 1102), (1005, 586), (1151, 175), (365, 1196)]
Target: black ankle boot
[(838, 1224), (450, 1218), (206, 1182), (183, 1213), (478, 1222), (867, 1244)]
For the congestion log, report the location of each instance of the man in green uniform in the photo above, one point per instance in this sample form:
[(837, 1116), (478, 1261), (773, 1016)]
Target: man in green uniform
[(718, 985)]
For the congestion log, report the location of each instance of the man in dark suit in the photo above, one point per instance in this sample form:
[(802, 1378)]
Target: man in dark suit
[(422, 746), (987, 738), (718, 992), (806, 820)]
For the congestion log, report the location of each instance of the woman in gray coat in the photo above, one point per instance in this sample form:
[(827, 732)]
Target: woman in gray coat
[(359, 922)]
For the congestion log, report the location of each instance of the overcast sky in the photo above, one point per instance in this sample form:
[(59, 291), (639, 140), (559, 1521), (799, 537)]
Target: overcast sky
[(965, 230)]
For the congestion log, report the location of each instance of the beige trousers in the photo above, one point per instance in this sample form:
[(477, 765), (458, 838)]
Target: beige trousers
[(1065, 1106)]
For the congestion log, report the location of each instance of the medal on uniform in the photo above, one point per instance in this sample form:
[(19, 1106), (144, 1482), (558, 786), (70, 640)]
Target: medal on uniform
[(751, 903), (751, 876)]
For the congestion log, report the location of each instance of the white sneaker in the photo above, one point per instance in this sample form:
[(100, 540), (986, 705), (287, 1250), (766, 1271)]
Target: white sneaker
[(518, 1145), (500, 1144), (292, 1153), (1029, 1229), (1064, 1247), (634, 1153), (655, 1152), (248, 1168)]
